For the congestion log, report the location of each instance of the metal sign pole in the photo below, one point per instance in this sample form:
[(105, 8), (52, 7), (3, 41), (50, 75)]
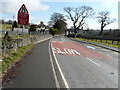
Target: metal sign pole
[(23, 19), (22, 35)]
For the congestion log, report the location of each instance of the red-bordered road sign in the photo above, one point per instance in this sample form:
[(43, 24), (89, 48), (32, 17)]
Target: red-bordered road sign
[(23, 15)]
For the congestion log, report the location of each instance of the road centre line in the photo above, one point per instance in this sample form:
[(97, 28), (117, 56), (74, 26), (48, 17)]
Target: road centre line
[(53, 69), (93, 62), (60, 70)]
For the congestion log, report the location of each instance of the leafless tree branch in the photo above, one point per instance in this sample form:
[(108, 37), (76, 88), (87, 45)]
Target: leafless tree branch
[(78, 15), (104, 19)]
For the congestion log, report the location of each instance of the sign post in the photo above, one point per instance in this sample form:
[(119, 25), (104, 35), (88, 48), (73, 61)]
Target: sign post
[(23, 17)]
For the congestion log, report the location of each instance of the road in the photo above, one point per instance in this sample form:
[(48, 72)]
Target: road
[(67, 64), (36, 71), (84, 65)]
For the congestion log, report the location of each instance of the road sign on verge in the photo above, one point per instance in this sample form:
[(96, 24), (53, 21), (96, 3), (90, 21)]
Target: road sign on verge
[(23, 15)]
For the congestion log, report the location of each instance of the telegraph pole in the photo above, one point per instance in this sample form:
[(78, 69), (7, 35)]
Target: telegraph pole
[(13, 23)]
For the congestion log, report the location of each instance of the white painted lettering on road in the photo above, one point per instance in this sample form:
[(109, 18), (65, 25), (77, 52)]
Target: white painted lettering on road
[(65, 51)]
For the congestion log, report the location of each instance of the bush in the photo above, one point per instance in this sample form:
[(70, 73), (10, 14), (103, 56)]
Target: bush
[(26, 27), (21, 26), (71, 35), (15, 24), (32, 28), (7, 42), (53, 31)]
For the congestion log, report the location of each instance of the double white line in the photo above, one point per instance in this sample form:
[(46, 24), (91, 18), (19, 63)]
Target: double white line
[(55, 76)]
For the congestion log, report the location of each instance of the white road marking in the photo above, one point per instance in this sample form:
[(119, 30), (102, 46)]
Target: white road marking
[(54, 41), (58, 41), (43, 40), (65, 51), (76, 52), (53, 69), (62, 39), (63, 77), (91, 47), (93, 61)]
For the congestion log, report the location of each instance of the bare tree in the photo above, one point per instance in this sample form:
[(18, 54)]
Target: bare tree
[(78, 15), (104, 19), (57, 21), (9, 22), (2, 21), (56, 17)]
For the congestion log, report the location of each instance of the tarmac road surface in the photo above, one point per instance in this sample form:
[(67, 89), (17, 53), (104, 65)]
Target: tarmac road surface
[(36, 72), (85, 65), (76, 65)]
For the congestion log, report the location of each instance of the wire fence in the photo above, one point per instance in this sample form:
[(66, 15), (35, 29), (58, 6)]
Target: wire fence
[(108, 40)]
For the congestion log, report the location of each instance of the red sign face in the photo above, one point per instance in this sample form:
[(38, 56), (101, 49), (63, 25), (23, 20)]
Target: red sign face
[(23, 16)]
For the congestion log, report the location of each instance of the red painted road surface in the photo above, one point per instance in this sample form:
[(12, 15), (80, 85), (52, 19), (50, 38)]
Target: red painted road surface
[(75, 49)]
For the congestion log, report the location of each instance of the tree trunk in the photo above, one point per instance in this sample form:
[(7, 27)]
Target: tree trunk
[(75, 32), (101, 31), (75, 29)]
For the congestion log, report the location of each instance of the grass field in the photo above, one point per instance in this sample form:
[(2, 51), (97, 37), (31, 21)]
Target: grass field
[(6, 27), (109, 42)]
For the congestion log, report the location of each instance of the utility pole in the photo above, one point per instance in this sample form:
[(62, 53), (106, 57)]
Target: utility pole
[(13, 17), (13, 23)]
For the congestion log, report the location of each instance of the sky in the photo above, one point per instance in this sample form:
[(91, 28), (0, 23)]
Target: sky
[(41, 10)]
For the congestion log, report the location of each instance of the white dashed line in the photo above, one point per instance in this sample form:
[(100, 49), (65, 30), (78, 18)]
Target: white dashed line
[(93, 61)]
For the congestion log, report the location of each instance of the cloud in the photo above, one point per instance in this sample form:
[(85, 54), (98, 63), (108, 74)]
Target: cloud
[(78, 0), (36, 20), (12, 6), (110, 3), (112, 26), (69, 23), (32, 18)]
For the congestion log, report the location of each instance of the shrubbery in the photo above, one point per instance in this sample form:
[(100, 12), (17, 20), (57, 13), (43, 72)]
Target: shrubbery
[(7, 42), (53, 31), (32, 28), (15, 24)]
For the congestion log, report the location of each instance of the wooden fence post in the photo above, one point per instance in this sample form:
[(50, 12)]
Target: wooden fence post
[(118, 42), (112, 41)]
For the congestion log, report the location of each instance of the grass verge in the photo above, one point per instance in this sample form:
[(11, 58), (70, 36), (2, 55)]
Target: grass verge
[(6, 27), (109, 42), (15, 56)]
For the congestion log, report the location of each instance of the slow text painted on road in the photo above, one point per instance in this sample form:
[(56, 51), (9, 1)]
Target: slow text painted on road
[(74, 49)]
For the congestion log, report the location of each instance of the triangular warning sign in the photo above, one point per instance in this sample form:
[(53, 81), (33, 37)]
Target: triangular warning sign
[(23, 9)]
